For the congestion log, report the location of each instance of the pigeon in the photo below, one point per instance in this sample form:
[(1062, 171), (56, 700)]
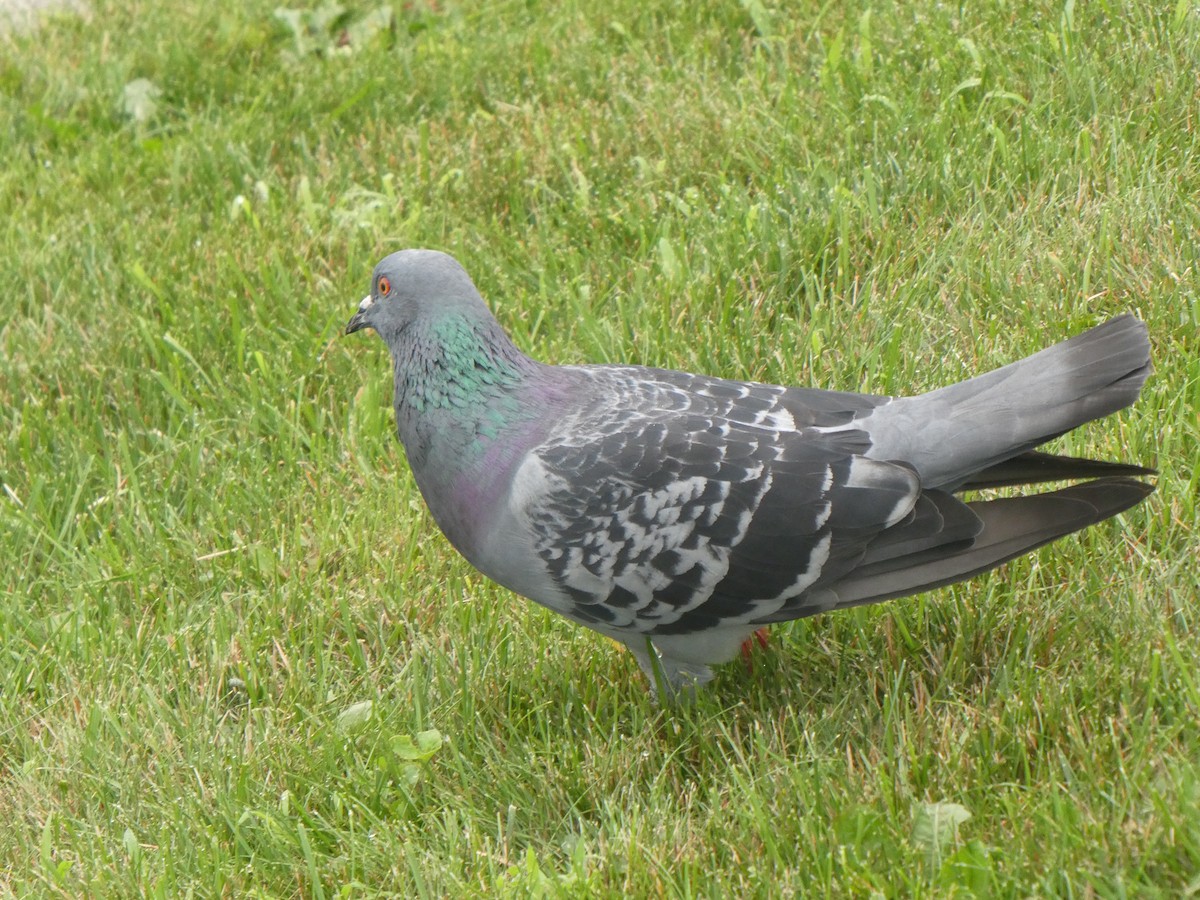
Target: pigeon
[(680, 513)]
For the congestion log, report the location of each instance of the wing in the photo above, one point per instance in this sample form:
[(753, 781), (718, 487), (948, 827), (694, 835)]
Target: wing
[(676, 503)]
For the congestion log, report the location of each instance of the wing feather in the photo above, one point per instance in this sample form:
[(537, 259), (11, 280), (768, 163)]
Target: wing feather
[(668, 520)]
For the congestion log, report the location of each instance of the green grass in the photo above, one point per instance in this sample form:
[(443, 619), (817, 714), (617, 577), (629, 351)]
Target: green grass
[(211, 547)]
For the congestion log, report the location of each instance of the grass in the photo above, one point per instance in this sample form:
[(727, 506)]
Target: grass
[(213, 551)]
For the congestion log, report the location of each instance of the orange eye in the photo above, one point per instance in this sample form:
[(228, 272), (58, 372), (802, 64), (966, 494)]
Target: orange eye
[(384, 286)]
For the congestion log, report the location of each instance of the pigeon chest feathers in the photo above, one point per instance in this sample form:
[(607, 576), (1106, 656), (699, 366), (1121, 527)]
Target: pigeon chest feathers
[(455, 391), (467, 405)]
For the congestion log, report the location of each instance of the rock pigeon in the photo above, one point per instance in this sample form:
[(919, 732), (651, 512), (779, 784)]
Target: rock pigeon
[(681, 513)]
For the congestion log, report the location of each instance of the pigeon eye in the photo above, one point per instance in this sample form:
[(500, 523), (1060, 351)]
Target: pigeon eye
[(384, 286)]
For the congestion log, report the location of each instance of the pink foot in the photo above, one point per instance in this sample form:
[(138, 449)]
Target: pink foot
[(748, 647)]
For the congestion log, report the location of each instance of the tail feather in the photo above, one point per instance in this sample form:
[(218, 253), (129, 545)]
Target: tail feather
[(1035, 467), (953, 433), (1011, 526)]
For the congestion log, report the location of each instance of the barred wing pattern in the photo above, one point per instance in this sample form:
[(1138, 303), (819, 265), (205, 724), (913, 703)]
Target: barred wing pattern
[(680, 503)]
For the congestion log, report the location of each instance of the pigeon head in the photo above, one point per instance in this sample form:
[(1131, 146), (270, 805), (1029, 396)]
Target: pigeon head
[(413, 286), (452, 361)]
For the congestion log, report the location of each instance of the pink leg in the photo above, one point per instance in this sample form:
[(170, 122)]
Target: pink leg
[(748, 646)]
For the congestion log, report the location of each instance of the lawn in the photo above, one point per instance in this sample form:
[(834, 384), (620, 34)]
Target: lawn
[(238, 658)]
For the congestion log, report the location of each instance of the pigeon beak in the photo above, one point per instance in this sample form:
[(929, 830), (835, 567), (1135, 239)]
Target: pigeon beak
[(358, 320)]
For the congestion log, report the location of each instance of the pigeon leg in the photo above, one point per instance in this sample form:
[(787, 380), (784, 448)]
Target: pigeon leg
[(748, 647)]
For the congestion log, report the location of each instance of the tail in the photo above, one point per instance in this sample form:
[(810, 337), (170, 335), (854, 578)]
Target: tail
[(1035, 467), (953, 435), (1006, 528)]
